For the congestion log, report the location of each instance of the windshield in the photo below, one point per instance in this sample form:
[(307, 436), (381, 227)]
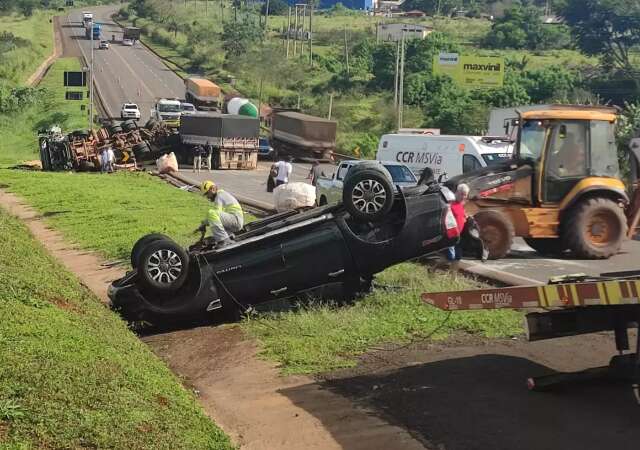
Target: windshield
[(495, 158), (169, 108), (188, 108), (401, 174), (532, 140), (130, 107)]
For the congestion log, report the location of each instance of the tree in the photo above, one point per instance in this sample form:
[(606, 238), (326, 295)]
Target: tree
[(606, 28), (276, 8), (238, 37), (26, 7)]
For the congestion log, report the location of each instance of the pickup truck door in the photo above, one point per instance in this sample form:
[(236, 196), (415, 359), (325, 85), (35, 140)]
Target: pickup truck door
[(335, 193), (316, 257)]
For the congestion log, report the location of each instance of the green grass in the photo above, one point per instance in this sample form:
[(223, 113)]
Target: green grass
[(108, 213), (17, 65), (323, 337), (71, 373), (18, 132)]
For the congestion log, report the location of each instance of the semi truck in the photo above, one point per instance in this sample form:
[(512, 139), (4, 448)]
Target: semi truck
[(303, 136), (96, 29), (234, 138), (202, 93), (87, 18), (167, 111), (132, 33)]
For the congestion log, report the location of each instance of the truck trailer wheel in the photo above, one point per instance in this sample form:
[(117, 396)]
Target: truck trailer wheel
[(595, 228), (496, 232), (368, 192)]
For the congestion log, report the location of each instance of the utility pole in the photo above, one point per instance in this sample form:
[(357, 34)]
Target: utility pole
[(346, 50), (295, 35), (266, 18), (330, 106), (91, 79), (288, 31), (395, 79), (401, 95), (310, 36)]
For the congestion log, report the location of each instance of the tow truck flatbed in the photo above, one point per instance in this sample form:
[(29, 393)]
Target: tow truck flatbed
[(567, 306)]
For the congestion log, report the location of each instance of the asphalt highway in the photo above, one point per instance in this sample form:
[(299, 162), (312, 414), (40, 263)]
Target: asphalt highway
[(122, 73)]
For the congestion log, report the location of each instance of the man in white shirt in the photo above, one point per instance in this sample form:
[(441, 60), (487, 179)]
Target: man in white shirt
[(284, 168)]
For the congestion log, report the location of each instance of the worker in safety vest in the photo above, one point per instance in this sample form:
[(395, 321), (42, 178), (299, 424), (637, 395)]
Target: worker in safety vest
[(225, 216)]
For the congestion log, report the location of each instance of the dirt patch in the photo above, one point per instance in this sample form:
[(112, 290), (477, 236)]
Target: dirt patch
[(472, 395), (249, 399), (88, 266)]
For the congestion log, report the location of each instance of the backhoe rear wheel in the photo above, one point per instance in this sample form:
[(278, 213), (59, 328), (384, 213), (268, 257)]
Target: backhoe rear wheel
[(595, 228), (496, 232)]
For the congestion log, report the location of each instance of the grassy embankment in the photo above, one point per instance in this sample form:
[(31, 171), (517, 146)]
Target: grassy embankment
[(71, 373), (34, 46)]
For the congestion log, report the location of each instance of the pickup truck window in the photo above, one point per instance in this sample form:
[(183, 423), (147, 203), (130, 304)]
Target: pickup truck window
[(342, 171), (401, 174)]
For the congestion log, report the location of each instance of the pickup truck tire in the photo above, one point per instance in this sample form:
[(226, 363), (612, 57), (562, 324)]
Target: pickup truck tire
[(142, 243), (368, 193), (595, 228), (496, 232), (163, 266)]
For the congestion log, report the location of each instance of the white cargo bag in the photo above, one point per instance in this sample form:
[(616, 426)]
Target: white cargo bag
[(167, 163), (293, 196)]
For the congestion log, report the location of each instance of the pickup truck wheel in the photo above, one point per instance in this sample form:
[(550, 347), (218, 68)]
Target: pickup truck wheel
[(142, 243), (368, 193), (163, 266), (496, 232)]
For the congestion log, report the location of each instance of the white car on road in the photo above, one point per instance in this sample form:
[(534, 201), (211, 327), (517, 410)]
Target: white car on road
[(127, 42), (187, 109), (130, 111), (104, 45), (329, 189)]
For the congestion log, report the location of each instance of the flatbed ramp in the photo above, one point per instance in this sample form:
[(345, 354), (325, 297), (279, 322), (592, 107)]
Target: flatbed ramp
[(568, 306)]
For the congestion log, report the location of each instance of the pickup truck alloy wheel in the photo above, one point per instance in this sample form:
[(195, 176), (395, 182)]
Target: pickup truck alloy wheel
[(163, 265), (141, 244), (369, 196)]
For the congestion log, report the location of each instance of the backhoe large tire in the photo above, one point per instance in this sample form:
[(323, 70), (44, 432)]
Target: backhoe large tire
[(595, 228), (546, 246), (496, 232)]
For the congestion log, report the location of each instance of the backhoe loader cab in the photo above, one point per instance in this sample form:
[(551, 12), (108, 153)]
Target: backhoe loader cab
[(562, 190)]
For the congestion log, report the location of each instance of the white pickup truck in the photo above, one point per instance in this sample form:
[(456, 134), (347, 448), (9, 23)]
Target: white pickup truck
[(329, 189)]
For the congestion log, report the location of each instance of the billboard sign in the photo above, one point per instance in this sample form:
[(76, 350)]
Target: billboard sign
[(471, 71)]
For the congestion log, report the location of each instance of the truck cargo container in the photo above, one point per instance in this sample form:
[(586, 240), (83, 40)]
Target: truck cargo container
[(132, 33), (96, 31), (303, 136), (202, 93), (234, 138)]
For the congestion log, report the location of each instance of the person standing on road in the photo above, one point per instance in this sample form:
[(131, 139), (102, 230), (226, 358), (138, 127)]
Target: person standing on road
[(224, 217), (208, 148), (315, 172), (284, 169), (197, 158), (454, 254)]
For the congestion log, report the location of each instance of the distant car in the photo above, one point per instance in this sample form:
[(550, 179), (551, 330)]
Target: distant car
[(187, 109), (329, 189), (130, 111), (265, 149), (104, 45), (127, 42)]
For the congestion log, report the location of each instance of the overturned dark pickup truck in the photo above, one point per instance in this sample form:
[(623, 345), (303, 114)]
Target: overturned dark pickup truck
[(303, 136), (376, 226)]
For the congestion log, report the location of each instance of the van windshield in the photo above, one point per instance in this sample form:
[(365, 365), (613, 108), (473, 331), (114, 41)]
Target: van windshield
[(495, 158), (401, 174)]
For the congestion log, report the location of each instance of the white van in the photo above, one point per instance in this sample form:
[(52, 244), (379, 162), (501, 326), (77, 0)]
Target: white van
[(452, 155)]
